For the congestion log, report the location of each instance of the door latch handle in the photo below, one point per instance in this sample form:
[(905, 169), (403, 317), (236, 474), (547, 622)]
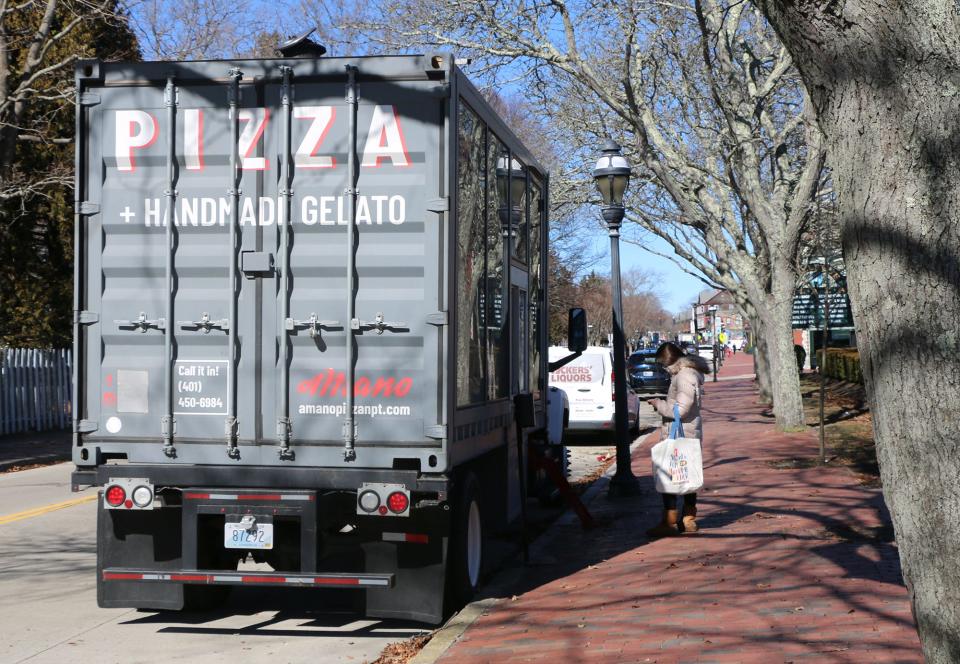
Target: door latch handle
[(205, 324), (142, 323), (313, 324), (379, 324)]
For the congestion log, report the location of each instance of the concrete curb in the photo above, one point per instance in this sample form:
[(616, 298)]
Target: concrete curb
[(454, 628), (447, 635), (44, 459)]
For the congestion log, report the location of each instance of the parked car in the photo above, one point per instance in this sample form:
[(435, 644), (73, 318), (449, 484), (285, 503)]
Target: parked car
[(646, 374), (588, 382)]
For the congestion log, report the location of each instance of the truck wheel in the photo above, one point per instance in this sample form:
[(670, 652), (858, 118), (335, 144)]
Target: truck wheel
[(465, 562)]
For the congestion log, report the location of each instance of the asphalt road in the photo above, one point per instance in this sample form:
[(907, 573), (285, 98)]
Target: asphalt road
[(48, 607), (49, 613)]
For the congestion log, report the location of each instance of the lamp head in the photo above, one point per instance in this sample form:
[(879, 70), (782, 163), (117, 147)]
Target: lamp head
[(612, 174)]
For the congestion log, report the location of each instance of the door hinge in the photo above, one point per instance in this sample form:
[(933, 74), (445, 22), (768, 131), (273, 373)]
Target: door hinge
[(89, 99), (437, 431), (439, 204), (84, 426), (438, 318), (89, 208), (85, 317)]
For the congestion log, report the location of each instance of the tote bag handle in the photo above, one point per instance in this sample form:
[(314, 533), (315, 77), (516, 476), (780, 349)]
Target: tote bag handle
[(676, 429)]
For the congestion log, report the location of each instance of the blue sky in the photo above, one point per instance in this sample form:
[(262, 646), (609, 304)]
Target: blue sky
[(675, 287)]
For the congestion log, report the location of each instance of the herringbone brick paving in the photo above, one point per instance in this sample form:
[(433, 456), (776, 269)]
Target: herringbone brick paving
[(791, 565)]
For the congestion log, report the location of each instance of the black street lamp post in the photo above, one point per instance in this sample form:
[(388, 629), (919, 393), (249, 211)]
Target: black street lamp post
[(612, 174)]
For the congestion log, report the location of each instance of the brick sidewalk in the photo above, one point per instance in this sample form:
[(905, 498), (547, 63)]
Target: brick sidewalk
[(790, 565)]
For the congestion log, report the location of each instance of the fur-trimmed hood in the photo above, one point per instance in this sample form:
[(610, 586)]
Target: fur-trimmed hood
[(694, 362)]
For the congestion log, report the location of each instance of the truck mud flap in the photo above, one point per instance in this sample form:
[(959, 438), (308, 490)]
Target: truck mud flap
[(145, 539), (419, 570)]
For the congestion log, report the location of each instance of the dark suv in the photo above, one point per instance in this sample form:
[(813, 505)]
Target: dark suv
[(646, 374)]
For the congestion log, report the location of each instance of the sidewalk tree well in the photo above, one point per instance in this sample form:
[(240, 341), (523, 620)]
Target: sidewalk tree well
[(704, 99), (884, 78)]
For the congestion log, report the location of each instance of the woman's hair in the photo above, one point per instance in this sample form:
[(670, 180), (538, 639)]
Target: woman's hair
[(668, 353)]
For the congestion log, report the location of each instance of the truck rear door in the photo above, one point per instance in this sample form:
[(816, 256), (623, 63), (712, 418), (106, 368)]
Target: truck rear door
[(125, 286)]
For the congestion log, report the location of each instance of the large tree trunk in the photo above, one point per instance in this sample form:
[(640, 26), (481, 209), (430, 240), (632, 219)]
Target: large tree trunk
[(761, 361), (784, 375), (884, 78)]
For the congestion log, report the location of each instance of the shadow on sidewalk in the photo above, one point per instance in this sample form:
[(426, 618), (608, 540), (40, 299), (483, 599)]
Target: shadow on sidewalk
[(789, 560)]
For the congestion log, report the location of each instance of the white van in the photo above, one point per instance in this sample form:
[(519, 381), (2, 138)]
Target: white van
[(588, 383)]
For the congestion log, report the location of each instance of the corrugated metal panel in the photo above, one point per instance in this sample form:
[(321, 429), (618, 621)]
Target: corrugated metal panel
[(400, 261)]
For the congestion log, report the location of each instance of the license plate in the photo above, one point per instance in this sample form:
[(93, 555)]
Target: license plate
[(647, 373), (236, 536)]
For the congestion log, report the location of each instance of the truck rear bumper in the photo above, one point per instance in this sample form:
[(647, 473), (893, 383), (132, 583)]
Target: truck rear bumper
[(221, 578), (155, 559)]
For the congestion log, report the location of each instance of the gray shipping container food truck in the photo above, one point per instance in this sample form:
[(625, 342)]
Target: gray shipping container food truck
[(313, 366)]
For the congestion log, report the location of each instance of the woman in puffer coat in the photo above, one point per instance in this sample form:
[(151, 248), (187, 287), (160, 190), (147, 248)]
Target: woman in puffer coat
[(686, 390)]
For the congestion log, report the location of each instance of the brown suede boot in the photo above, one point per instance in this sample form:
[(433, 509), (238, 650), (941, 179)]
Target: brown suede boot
[(667, 526), (690, 519)]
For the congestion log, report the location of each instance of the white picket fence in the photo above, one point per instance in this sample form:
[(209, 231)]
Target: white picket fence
[(35, 388)]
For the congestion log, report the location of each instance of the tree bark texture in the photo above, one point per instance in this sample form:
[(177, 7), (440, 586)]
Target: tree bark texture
[(884, 77), (761, 361), (784, 378)]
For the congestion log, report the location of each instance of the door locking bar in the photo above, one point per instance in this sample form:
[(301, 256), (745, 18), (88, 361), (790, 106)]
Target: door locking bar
[(236, 176), (286, 192), (313, 324), (205, 324), (379, 324), (349, 424), (142, 323), (167, 423)]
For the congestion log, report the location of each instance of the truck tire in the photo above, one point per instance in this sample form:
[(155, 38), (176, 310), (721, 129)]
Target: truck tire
[(465, 562)]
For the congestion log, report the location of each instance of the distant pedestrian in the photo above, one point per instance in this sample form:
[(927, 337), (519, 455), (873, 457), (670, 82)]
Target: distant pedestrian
[(686, 391)]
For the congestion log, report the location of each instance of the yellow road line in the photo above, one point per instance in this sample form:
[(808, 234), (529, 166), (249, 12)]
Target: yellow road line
[(37, 511)]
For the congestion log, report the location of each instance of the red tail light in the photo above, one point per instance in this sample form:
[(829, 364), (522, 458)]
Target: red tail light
[(116, 495), (397, 502), (613, 387)]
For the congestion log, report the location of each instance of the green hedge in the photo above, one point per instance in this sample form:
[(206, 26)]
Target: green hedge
[(843, 364)]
